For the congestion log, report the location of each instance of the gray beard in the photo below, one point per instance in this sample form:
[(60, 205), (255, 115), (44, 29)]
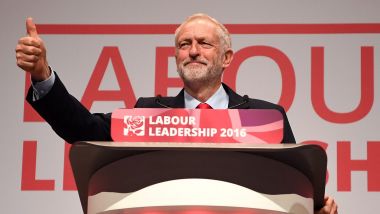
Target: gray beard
[(200, 74)]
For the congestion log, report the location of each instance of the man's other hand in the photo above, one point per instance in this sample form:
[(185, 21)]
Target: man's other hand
[(330, 207)]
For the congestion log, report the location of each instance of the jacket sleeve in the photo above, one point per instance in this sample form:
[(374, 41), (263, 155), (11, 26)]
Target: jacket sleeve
[(288, 133), (68, 117)]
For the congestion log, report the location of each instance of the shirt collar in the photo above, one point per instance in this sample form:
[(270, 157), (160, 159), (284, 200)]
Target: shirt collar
[(219, 100)]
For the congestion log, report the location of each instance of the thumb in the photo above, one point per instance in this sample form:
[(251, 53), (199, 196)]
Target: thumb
[(31, 28)]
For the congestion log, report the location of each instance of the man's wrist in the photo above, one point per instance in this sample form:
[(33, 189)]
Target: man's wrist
[(41, 88), (45, 75)]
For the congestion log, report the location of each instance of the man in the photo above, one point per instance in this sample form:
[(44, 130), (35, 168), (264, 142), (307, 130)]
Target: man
[(203, 51)]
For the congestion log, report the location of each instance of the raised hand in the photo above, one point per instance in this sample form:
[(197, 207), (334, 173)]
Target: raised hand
[(330, 207), (31, 53)]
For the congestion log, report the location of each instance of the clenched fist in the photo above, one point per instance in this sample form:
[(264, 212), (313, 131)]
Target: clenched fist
[(31, 53)]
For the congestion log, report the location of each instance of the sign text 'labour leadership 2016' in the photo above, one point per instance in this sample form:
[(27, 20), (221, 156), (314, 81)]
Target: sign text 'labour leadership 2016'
[(196, 125)]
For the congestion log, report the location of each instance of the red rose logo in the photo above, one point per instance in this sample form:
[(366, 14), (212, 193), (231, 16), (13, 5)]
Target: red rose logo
[(135, 125)]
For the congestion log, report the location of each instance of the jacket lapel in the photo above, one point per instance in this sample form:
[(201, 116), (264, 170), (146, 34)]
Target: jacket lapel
[(177, 101)]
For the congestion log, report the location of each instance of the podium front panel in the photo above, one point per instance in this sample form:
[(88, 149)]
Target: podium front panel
[(123, 170), (252, 174)]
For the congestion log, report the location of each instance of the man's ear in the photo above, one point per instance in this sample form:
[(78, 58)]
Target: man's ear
[(227, 58)]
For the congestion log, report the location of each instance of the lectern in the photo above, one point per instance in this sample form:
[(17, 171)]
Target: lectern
[(118, 178)]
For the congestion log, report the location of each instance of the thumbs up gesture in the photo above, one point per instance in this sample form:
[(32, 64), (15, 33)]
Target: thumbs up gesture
[(31, 53)]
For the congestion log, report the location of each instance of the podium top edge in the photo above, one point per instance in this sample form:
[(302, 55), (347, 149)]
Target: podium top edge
[(171, 145)]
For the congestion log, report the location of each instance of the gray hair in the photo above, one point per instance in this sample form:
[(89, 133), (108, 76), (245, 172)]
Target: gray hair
[(224, 35)]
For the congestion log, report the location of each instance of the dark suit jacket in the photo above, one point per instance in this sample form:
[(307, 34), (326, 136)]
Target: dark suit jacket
[(73, 122)]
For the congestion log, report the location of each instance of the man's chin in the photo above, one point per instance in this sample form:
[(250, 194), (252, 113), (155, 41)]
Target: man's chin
[(195, 79), (194, 73)]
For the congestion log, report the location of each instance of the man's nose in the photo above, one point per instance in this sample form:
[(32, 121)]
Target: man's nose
[(194, 50)]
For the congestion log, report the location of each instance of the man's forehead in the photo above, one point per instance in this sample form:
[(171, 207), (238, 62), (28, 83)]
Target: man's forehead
[(201, 27), (200, 19)]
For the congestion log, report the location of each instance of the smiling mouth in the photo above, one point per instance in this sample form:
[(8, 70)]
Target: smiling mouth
[(195, 63)]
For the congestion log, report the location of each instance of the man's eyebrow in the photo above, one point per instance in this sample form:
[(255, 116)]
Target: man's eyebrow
[(184, 39), (199, 38)]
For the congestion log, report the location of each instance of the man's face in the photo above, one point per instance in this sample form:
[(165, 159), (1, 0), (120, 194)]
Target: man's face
[(199, 54)]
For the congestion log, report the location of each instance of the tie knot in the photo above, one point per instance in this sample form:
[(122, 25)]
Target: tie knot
[(204, 106)]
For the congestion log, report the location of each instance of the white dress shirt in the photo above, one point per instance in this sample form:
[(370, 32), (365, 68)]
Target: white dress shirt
[(219, 100)]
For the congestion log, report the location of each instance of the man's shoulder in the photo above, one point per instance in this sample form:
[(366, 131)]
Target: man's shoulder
[(263, 104), (238, 101), (154, 102)]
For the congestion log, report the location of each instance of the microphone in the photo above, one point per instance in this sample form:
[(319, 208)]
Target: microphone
[(158, 101), (245, 100)]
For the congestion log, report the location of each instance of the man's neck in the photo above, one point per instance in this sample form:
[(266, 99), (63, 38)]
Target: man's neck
[(202, 92)]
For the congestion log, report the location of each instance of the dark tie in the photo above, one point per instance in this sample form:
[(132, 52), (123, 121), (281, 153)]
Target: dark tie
[(204, 106)]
